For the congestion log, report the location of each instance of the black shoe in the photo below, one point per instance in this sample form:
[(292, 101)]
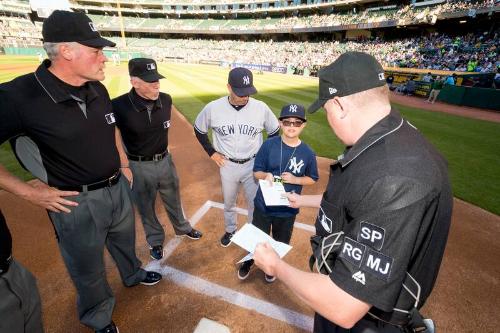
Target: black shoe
[(151, 278), (269, 278), (156, 252), (111, 328), (226, 239), (245, 269), (194, 234)]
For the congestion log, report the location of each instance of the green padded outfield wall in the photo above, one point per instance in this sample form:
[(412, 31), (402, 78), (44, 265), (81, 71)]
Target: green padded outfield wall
[(474, 97), (33, 51)]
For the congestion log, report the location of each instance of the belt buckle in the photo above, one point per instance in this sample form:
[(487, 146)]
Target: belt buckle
[(157, 157), (110, 179)]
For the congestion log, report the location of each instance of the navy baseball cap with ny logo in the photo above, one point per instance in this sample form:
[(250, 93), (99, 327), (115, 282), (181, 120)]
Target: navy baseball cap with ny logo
[(351, 73), (64, 26), (241, 81)]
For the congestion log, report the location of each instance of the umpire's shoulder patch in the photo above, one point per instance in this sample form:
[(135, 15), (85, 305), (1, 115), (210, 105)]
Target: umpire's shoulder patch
[(377, 264), (371, 235), (352, 251)]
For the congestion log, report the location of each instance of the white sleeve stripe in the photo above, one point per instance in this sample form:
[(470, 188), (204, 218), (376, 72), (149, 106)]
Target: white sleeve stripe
[(276, 130), (199, 131)]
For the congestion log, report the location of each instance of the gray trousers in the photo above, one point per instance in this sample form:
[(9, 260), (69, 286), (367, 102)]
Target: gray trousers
[(150, 178), (232, 175), (20, 308), (104, 217)]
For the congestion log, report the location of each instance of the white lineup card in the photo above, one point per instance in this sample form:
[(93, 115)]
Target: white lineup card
[(275, 194), (249, 236)]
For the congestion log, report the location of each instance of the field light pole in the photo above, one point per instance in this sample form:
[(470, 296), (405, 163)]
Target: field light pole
[(124, 43)]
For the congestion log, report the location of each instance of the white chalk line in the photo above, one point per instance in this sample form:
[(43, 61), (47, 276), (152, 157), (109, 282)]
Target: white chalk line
[(228, 295)]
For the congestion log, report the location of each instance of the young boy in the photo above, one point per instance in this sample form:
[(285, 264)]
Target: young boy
[(287, 159)]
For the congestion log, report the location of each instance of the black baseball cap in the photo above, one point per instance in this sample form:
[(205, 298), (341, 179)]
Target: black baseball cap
[(293, 111), (351, 73), (64, 26), (241, 81), (145, 69)]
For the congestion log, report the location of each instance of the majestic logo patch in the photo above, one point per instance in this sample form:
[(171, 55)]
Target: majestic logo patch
[(294, 166), (110, 118), (352, 251), (324, 220), (166, 124), (377, 264), (246, 80), (151, 66), (359, 276), (293, 108), (371, 235), (92, 27), (332, 91), (381, 76)]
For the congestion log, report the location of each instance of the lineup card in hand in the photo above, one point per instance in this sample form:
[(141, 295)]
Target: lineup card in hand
[(275, 194), (249, 236)]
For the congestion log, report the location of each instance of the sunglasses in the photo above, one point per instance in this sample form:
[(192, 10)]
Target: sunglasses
[(288, 123)]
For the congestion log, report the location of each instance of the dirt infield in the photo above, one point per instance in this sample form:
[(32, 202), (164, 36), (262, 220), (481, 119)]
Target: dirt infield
[(201, 276)]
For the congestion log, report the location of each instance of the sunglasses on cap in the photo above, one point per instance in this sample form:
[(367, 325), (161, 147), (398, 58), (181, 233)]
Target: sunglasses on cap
[(289, 123)]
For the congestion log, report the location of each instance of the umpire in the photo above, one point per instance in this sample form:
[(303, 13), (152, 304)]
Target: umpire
[(143, 117), (384, 218), (20, 307), (62, 129)]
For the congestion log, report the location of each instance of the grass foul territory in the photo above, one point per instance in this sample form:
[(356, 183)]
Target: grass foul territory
[(468, 144)]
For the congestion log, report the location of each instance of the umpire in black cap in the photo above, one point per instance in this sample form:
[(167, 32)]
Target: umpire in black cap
[(62, 128), (143, 116), (383, 219)]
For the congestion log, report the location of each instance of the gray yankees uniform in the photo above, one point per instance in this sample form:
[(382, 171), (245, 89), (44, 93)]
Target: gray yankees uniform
[(237, 134)]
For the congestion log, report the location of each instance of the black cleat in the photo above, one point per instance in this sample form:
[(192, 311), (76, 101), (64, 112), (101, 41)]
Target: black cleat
[(151, 278), (194, 234), (111, 328), (156, 252), (226, 239), (244, 269)]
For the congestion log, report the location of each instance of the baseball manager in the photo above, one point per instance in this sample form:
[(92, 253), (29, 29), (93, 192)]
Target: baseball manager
[(237, 122)]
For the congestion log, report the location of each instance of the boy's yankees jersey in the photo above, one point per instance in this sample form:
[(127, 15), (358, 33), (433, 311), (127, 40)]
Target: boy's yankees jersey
[(236, 134)]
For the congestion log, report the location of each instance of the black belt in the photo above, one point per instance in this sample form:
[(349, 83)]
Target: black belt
[(4, 265), (155, 157), (240, 161), (94, 186)]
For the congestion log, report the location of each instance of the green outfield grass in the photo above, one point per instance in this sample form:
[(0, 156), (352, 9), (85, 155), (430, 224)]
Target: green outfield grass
[(468, 144)]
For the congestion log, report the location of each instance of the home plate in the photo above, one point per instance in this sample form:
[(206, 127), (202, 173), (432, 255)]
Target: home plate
[(209, 326)]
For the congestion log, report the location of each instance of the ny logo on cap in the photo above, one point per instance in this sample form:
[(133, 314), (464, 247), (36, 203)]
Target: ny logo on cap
[(381, 76), (293, 108), (246, 80), (332, 91), (92, 27), (151, 66)]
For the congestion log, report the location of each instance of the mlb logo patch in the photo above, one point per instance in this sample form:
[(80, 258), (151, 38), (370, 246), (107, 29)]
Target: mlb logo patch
[(166, 124), (151, 66), (381, 76), (92, 27), (110, 118), (332, 91)]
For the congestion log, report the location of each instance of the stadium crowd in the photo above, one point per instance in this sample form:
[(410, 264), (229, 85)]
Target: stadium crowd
[(473, 52)]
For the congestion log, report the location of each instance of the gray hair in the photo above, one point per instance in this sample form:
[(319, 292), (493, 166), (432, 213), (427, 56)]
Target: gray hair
[(52, 49)]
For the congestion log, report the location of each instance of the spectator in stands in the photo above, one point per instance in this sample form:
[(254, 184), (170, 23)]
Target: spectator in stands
[(410, 87), (427, 77), (390, 80), (451, 80), (496, 80), (436, 87)]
